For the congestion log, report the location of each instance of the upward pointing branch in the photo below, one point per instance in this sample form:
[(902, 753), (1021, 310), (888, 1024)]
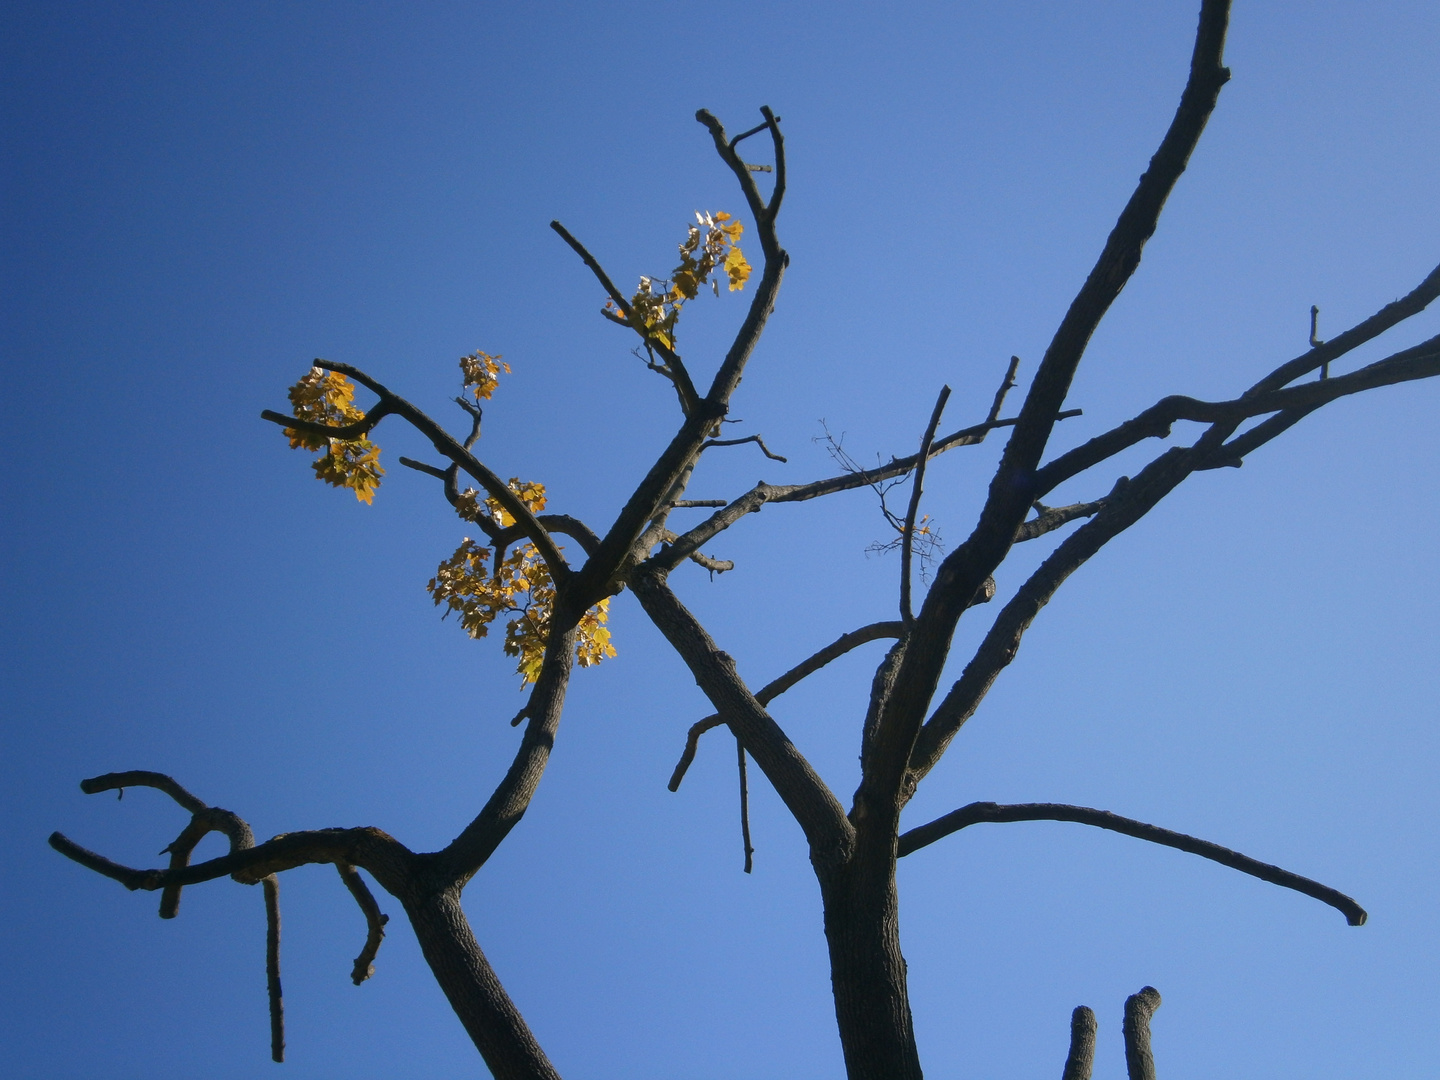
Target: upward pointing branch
[(907, 538), (962, 574)]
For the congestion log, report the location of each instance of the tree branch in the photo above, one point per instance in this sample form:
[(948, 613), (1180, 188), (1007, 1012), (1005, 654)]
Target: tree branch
[(744, 807), (1049, 518), (763, 494), (374, 922), (747, 439), (1139, 1008), (1081, 1059), (449, 448), (463, 856), (959, 577), (978, 812), (674, 368), (1155, 421), (770, 691), (812, 804), (271, 885), (660, 483), (907, 534)]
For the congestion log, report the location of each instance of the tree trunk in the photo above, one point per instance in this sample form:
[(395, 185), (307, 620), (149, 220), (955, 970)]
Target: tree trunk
[(867, 974), (496, 1026)]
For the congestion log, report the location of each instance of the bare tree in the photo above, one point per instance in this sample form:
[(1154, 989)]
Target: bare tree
[(909, 719)]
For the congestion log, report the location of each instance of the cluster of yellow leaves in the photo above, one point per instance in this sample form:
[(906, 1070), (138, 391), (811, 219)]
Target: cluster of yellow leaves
[(711, 243), (469, 584), (481, 372), (327, 397)]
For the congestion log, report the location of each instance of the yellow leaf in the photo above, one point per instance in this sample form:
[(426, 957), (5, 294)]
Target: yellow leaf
[(481, 373), (327, 397)]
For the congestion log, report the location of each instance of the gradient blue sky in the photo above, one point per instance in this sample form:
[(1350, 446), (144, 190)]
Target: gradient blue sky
[(197, 199)]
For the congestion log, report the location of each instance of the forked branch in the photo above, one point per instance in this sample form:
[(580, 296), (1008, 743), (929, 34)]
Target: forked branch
[(978, 812), (203, 820), (770, 691), (448, 447)]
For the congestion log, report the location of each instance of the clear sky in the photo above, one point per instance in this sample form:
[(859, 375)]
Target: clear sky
[(199, 198)]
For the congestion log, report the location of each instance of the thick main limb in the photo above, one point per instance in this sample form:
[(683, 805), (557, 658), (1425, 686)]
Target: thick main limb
[(1011, 494)]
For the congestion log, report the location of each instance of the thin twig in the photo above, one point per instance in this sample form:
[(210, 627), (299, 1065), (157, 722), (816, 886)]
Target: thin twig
[(744, 807), (272, 967), (736, 442), (978, 812)]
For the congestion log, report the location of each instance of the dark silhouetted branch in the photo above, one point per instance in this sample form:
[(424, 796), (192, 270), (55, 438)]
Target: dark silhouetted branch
[(271, 885), (976, 813), (770, 691), (1139, 1008), (673, 368), (763, 494), (449, 448), (736, 442), (907, 533), (1006, 385), (744, 807), (420, 466), (1081, 1059), (1155, 421), (1049, 518), (375, 922), (804, 793), (1012, 492)]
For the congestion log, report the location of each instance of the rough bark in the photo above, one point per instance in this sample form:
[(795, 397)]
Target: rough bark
[(868, 977), (473, 990)]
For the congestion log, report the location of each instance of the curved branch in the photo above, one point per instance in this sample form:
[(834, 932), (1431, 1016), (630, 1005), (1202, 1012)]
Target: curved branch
[(345, 432), (771, 690), (381, 854), (1418, 362), (978, 812), (1139, 1008), (747, 439), (448, 447), (375, 922), (119, 781), (463, 856)]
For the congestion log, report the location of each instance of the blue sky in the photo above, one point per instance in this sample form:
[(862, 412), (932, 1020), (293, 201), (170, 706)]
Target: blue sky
[(198, 199)]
